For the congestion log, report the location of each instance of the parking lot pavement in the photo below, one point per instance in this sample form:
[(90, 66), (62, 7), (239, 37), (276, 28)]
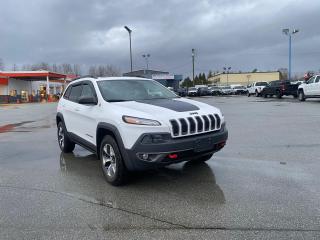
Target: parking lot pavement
[(264, 185)]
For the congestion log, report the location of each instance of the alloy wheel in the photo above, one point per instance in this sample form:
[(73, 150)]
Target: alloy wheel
[(109, 162)]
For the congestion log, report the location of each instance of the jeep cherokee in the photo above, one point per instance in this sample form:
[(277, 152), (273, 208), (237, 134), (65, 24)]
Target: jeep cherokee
[(135, 124)]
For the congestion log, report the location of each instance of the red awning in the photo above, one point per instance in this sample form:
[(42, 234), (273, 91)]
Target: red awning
[(33, 75)]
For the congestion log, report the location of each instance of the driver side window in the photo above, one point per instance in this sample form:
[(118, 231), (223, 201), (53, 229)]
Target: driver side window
[(311, 80)]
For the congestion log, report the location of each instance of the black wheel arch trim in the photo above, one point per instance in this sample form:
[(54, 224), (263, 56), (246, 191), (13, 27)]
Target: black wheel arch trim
[(113, 129)]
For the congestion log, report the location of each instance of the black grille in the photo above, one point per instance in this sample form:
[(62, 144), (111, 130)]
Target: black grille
[(213, 122), (192, 125), (184, 126), (175, 127), (218, 120), (200, 124), (206, 123)]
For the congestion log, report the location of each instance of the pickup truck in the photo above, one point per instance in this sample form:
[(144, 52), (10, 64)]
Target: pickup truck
[(310, 89), (280, 88), (256, 88)]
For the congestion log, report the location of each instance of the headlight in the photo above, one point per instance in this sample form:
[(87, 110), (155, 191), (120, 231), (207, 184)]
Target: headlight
[(140, 121)]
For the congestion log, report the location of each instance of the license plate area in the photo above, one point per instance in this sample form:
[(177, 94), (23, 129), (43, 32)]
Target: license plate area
[(204, 144)]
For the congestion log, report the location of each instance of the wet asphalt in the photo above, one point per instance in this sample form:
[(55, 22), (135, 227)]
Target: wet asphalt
[(263, 185)]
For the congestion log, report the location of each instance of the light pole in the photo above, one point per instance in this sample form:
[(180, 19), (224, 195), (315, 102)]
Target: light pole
[(287, 32), (129, 31), (227, 69), (193, 65), (146, 57)]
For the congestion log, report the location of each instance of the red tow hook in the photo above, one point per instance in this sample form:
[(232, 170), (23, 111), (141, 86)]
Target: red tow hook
[(221, 144), (173, 156)]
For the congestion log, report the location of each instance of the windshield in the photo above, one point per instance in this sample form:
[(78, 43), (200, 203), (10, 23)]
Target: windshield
[(239, 87), (226, 87), (192, 89), (261, 84), (131, 90)]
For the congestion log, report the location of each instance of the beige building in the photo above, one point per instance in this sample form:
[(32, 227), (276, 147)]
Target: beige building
[(244, 78)]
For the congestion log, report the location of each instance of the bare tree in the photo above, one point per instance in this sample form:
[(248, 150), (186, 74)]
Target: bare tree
[(77, 69), (1, 65), (15, 67), (104, 71)]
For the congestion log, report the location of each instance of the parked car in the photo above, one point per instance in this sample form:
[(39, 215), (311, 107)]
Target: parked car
[(280, 88), (215, 90), (182, 92), (226, 90), (130, 128), (238, 90), (310, 89), (192, 91), (203, 91), (256, 88)]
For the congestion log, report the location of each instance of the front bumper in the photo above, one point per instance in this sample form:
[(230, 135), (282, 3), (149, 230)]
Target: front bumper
[(174, 150)]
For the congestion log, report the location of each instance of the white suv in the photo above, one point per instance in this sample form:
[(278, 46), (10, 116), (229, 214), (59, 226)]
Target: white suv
[(310, 89), (136, 123), (256, 88)]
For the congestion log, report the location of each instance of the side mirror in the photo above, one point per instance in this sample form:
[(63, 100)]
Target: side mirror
[(88, 100)]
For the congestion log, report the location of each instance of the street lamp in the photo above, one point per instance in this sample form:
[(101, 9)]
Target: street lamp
[(146, 57), (287, 32), (129, 31), (192, 64), (227, 69)]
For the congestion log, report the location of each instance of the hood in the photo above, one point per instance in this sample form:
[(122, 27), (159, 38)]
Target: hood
[(166, 108)]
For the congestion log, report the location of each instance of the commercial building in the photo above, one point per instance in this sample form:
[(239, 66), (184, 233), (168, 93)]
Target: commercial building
[(31, 86), (244, 78), (165, 78)]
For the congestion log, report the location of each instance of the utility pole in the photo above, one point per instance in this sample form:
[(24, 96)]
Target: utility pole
[(193, 65)]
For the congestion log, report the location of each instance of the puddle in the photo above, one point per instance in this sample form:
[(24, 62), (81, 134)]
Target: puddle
[(11, 127)]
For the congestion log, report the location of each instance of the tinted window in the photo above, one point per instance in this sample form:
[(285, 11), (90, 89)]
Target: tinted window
[(131, 90), (75, 93), (311, 80), (67, 93), (317, 79), (261, 84), (87, 91)]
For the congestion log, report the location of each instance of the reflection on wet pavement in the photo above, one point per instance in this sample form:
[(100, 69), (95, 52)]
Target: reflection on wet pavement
[(181, 181)]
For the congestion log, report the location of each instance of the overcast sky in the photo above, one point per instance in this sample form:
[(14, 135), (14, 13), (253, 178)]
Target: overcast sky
[(242, 34)]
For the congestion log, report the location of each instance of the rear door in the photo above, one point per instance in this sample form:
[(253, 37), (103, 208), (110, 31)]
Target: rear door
[(72, 108), (87, 115), (309, 87), (317, 86)]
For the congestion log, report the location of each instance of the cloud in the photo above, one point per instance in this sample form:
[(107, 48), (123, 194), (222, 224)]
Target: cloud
[(242, 34)]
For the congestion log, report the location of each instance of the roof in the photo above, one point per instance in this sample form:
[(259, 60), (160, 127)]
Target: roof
[(143, 73), (32, 75), (231, 73), (110, 78)]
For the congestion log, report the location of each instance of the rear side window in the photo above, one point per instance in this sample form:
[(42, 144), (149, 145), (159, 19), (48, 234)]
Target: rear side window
[(75, 93), (317, 79), (67, 93), (87, 91)]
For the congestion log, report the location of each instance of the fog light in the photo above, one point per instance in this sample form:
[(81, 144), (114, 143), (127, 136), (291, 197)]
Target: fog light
[(145, 156)]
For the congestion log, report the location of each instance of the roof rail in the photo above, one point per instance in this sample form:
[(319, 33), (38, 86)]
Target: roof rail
[(85, 76)]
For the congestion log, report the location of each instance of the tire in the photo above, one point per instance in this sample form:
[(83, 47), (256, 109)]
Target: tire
[(65, 144), (257, 94), (202, 159), (301, 96), (248, 94), (265, 95), (112, 164), (278, 94)]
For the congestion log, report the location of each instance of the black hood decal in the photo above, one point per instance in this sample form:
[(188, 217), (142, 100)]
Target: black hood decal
[(171, 104)]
